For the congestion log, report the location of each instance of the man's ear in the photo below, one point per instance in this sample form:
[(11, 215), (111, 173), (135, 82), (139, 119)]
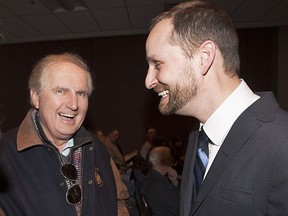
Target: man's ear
[(207, 55), (34, 99)]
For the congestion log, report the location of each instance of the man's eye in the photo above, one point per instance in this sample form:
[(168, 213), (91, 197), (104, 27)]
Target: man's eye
[(82, 94), (59, 91), (157, 66)]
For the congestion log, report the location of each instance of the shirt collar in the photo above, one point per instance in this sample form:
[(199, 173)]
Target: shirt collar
[(220, 122), (67, 148), (27, 136)]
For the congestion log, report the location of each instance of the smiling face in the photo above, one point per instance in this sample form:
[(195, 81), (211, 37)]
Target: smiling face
[(170, 73), (63, 102)]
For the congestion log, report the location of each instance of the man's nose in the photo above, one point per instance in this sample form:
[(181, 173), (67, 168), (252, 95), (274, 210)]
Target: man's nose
[(151, 80), (72, 102)]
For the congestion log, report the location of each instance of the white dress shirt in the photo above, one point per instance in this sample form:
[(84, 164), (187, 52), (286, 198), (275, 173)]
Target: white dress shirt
[(221, 121), (67, 148)]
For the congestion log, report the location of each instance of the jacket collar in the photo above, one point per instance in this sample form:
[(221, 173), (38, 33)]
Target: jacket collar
[(27, 136), (261, 111)]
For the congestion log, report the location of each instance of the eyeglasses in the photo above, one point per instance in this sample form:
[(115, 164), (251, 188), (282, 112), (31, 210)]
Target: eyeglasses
[(73, 194)]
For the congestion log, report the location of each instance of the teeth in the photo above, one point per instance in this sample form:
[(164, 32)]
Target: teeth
[(163, 93), (67, 115)]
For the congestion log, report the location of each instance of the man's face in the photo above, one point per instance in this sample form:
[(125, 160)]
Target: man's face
[(63, 102), (115, 136), (170, 73), (151, 134), (100, 135)]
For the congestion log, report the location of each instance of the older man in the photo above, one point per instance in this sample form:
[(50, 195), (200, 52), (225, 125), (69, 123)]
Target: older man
[(53, 165), (161, 185)]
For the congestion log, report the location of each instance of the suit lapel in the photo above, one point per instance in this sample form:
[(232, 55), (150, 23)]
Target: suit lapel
[(247, 123), (234, 141), (186, 181)]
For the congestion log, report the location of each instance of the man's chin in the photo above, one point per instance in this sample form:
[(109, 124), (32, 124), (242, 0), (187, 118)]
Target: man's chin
[(165, 111)]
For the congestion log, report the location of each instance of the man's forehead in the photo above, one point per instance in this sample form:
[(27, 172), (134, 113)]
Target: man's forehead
[(163, 24), (160, 31), (158, 36)]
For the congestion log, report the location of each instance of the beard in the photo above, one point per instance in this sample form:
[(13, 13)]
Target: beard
[(180, 93)]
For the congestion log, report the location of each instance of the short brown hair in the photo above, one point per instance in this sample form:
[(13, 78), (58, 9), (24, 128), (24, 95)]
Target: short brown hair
[(197, 21)]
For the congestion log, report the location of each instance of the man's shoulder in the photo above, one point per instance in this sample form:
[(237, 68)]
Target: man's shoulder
[(266, 110), (154, 179), (8, 138)]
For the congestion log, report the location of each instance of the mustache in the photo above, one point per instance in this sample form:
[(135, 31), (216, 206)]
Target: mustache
[(160, 87)]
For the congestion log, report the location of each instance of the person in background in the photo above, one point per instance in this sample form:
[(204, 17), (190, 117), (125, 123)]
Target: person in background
[(100, 135), (53, 165), (175, 143), (117, 155), (150, 136), (113, 148), (122, 191), (161, 185), (236, 163), (141, 164), (2, 213)]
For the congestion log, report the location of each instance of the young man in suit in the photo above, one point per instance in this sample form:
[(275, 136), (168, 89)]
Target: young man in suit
[(192, 52)]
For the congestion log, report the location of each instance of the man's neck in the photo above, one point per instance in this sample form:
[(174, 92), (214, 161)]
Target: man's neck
[(160, 170)]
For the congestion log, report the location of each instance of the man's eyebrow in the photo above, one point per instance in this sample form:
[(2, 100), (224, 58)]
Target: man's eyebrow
[(152, 58), (59, 87), (82, 91)]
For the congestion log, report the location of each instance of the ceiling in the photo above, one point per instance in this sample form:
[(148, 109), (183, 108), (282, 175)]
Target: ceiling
[(42, 20)]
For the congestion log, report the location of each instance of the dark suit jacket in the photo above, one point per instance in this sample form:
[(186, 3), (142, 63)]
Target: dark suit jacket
[(162, 196), (249, 175)]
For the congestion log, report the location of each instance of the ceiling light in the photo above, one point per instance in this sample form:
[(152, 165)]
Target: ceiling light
[(58, 6)]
